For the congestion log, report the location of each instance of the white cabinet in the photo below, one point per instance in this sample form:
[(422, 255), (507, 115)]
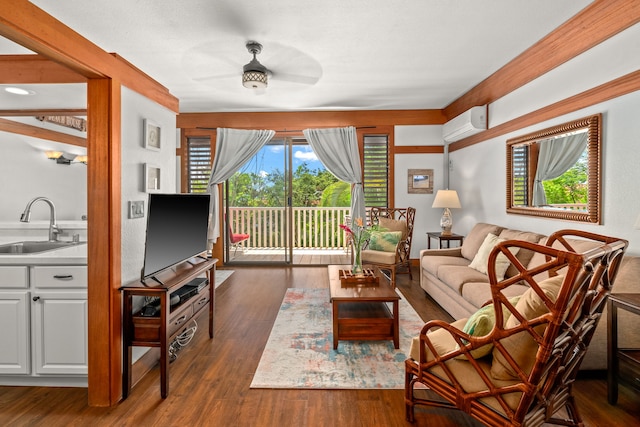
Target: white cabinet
[(49, 343), (14, 351), (60, 332)]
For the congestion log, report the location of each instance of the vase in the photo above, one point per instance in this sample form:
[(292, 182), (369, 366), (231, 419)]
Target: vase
[(356, 269)]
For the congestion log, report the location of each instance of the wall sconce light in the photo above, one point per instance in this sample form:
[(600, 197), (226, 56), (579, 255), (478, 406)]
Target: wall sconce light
[(53, 155), (65, 158)]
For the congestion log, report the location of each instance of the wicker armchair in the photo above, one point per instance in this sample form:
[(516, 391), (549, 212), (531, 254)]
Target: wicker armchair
[(400, 219), (534, 352)]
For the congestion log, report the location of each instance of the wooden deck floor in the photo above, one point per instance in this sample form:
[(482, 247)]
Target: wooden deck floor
[(209, 382)]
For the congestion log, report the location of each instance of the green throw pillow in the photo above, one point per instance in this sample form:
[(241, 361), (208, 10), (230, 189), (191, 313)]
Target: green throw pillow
[(385, 241), (480, 324)]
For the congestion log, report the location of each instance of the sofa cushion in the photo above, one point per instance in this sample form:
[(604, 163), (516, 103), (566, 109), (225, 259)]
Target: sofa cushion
[(481, 260), (476, 236), (433, 262), (479, 294), (522, 346), (378, 257), (386, 241), (388, 224), (455, 276), (523, 255)]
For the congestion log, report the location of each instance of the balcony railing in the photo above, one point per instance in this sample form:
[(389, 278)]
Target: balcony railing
[(313, 228)]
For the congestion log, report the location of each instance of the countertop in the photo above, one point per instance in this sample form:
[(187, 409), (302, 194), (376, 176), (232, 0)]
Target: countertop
[(11, 232), (70, 255)]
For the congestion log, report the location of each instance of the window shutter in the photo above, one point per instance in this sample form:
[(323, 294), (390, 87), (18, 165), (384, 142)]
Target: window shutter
[(376, 171), (198, 164), (520, 159)]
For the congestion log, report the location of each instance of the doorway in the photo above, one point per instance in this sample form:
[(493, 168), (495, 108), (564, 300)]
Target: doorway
[(286, 204)]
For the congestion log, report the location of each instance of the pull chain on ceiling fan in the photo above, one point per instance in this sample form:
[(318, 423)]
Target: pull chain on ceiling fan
[(254, 74)]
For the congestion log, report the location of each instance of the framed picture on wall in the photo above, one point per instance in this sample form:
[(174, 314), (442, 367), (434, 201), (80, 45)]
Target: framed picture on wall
[(151, 178), (151, 135), (420, 181)]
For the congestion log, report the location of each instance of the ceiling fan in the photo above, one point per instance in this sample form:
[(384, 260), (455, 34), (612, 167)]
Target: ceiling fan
[(254, 74), (287, 66)]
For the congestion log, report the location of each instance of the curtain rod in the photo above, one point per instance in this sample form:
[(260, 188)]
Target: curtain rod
[(285, 130)]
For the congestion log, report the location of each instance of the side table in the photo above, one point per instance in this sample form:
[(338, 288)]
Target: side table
[(443, 238), (623, 364)]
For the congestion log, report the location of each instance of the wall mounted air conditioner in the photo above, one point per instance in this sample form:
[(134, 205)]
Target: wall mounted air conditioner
[(466, 124)]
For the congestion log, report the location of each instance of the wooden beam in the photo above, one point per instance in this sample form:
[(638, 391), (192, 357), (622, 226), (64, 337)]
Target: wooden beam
[(621, 86), (104, 242), (31, 27), (35, 69), (419, 149), (596, 23), (37, 132), (44, 112), (309, 119)]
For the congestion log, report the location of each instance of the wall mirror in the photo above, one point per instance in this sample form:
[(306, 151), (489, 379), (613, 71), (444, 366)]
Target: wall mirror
[(556, 172)]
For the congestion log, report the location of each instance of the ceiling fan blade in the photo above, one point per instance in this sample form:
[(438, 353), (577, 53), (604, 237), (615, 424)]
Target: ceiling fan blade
[(216, 77), (293, 78)]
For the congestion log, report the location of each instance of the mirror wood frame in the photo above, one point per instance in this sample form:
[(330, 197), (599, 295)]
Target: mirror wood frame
[(594, 165)]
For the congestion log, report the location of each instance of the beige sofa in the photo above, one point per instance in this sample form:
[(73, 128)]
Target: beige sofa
[(461, 290)]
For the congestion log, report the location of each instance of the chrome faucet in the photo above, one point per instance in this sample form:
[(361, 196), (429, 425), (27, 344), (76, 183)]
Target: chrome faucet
[(54, 230)]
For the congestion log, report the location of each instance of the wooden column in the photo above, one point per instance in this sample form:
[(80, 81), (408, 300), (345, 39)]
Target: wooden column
[(104, 240)]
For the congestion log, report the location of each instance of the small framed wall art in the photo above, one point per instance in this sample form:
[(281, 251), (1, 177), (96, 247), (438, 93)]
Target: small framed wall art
[(151, 135), (420, 181), (151, 178)]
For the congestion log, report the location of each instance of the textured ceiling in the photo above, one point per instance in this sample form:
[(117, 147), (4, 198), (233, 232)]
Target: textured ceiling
[(323, 55)]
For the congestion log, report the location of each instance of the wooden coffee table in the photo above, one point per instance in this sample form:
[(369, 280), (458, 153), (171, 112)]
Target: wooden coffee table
[(361, 312)]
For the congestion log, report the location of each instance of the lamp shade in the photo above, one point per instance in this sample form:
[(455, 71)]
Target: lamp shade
[(446, 199)]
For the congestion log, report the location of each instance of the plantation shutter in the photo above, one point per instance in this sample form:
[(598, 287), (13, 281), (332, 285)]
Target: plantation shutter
[(520, 159), (198, 164), (376, 171)]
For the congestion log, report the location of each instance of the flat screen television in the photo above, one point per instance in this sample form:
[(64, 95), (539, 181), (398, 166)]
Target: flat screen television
[(176, 230)]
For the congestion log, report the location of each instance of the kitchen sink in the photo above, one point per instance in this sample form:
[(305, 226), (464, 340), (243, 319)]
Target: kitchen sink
[(33, 247)]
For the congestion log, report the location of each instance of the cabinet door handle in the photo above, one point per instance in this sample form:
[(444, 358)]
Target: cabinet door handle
[(36, 298), (180, 320), (202, 300), (63, 276)]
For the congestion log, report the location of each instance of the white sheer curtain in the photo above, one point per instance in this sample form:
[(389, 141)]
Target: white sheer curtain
[(556, 156), (234, 148), (337, 149)]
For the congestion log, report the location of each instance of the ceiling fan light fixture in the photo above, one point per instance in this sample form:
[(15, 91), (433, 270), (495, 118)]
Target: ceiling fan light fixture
[(254, 74), (254, 79)]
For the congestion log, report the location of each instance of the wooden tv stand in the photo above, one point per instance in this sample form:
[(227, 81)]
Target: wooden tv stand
[(161, 329)]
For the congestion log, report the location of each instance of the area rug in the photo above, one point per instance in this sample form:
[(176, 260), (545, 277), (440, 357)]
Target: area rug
[(300, 354), (222, 275)]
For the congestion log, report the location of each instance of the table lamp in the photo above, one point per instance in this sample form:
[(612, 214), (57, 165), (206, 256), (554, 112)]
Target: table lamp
[(447, 199)]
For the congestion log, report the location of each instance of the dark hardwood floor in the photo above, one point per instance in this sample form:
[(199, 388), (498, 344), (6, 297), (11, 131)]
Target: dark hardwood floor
[(209, 382)]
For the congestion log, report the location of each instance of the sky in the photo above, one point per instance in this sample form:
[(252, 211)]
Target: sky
[(271, 157)]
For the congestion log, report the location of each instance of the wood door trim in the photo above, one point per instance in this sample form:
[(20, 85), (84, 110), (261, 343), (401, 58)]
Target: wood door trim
[(104, 254), (299, 120)]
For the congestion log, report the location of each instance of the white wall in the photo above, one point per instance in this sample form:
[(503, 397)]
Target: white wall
[(136, 108), (427, 218), (479, 171), (25, 173)]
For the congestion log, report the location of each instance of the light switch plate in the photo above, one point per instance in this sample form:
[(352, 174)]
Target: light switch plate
[(136, 209)]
